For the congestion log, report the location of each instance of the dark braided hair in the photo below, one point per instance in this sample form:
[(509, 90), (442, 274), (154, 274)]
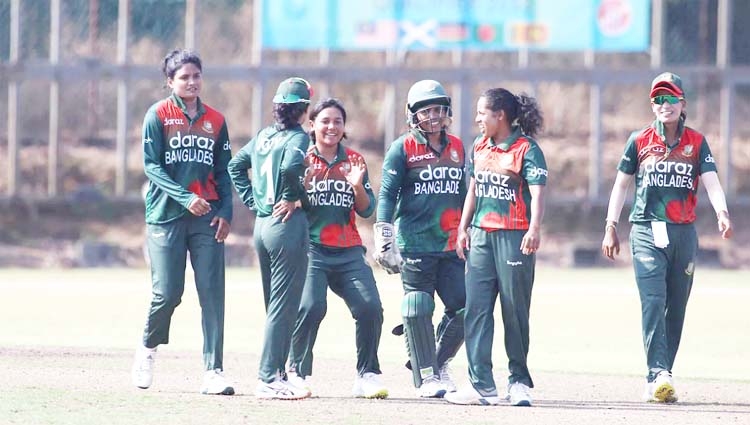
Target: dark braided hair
[(521, 110)]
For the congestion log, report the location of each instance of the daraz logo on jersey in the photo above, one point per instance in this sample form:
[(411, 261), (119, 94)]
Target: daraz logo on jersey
[(668, 167), (330, 192), (441, 173), (173, 121), (536, 172), (438, 180), (190, 148), (417, 158), (667, 174), (489, 184)]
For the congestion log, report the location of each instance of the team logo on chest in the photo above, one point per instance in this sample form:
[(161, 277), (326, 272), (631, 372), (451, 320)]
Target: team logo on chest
[(454, 155), (208, 127), (688, 151)]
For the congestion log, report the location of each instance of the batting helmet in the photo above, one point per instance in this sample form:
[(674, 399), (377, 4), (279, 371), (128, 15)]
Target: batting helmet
[(428, 93)]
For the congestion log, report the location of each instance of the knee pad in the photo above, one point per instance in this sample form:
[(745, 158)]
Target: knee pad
[(417, 304)]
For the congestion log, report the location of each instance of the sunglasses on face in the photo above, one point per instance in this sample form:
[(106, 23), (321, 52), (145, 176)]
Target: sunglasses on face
[(667, 98)]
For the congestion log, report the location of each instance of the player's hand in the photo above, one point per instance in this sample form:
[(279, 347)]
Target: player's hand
[(463, 243), (222, 228), (386, 253), (355, 174), (199, 207), (610, 244), (531, 241), (284, 209), (725, 225)]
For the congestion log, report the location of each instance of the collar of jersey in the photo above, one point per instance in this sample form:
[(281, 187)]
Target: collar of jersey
[(510, 140), (419, 137), (178, 101), (658, 127), (340, 154)]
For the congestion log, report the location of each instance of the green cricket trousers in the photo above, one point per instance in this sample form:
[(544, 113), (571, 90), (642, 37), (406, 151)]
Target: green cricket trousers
[(168, 245), (423, 275), (496, 266), (665, 278), (349, 276), (282, 254)]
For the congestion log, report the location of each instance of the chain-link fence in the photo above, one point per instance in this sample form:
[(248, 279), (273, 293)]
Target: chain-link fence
[(90, 64)]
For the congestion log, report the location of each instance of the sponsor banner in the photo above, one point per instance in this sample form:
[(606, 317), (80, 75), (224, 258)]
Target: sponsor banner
[(545, 25)]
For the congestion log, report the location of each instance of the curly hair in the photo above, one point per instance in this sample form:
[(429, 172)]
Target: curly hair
[(522, 109), (287, 115)]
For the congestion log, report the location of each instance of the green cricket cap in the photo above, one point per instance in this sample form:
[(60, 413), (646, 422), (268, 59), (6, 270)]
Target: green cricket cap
[(667, 81), (293, 90)]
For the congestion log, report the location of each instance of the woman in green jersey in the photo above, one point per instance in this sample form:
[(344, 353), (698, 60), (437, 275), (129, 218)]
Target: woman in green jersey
[(275, 157), (188, 209), (500, 228), (419, 205), (666, 159), (339, 189)]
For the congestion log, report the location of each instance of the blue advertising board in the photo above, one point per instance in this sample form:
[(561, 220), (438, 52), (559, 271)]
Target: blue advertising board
[(545, 25)]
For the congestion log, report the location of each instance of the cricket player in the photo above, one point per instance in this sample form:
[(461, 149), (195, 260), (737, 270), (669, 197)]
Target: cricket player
[(500, 229), (339, 188), (423, 189), (188, 209), (667, 160), (275, 157)]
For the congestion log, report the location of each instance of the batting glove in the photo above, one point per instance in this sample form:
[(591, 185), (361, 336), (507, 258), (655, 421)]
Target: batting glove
[(386, 250)]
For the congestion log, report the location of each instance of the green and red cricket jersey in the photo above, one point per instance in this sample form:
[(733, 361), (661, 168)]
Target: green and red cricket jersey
[(332, 218), (424, 190), (184, 158), (666, 178), (502, 175)]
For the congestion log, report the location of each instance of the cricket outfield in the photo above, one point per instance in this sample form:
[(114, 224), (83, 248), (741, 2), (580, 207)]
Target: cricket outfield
[(68, 336)]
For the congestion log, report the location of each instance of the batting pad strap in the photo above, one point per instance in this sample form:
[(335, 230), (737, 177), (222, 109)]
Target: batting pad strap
[(417, 308)]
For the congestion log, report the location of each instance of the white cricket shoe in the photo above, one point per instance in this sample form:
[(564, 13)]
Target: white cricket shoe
[(519, 394), (299, 381), (431, 388), (446, 379), (662, 389), (215, 383), (469, 395), (369, 385), (648, 393), (143, 366), (280, 389)]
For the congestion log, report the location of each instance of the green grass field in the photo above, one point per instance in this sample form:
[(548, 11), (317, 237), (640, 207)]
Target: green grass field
[(68, 332)]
